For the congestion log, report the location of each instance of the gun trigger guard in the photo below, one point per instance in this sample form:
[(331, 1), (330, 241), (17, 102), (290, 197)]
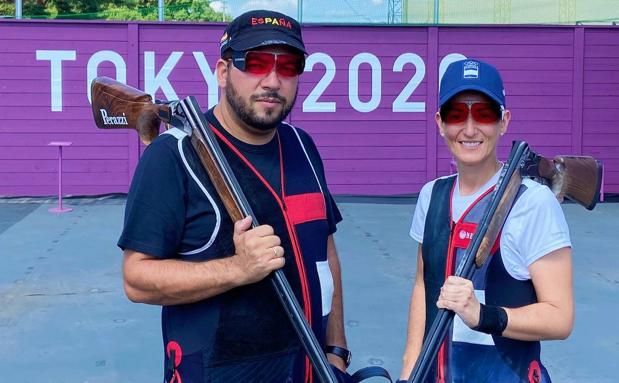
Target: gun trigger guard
[(187, 129), (177, 118), (181, 123), (529, 165)]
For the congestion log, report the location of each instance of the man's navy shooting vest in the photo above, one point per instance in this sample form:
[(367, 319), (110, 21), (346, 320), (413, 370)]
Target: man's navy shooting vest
[(468, 356), (248, 322)]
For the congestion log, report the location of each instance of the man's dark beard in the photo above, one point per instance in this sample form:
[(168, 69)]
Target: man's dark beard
[(248, 115)]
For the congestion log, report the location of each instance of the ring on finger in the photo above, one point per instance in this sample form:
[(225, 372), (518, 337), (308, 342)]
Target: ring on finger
[(274, 251)]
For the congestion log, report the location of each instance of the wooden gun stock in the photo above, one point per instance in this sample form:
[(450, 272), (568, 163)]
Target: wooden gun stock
[(500, 215), (119, 106), (215, 173), (578, 178)]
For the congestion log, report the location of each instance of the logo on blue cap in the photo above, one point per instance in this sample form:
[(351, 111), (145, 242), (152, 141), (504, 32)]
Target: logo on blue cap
[(470, 69)]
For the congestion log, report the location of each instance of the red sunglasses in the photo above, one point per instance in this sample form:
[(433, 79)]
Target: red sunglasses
[(482, 112), (261, 63)]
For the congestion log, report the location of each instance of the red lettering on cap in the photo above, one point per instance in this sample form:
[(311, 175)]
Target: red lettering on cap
[(285, 23), (268, 20)]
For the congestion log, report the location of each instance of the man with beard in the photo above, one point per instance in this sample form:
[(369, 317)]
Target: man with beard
[(221, 319)]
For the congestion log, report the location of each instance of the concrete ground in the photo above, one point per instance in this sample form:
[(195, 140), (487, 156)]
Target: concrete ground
[(64, 316)]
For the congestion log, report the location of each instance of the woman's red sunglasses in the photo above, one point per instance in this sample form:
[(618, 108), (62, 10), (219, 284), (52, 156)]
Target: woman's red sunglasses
[(261, 63), (482, 112)]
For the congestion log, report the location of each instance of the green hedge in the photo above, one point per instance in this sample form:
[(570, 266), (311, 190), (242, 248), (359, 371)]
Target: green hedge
[(174, 10)]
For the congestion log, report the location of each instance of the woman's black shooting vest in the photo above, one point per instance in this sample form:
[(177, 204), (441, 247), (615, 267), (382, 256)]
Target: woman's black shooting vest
[(444, 245)]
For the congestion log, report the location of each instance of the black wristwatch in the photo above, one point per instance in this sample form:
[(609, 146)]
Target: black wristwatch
[(343, 353)]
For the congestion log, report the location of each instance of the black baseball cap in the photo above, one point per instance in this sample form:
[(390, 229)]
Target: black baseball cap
[(259, 28)]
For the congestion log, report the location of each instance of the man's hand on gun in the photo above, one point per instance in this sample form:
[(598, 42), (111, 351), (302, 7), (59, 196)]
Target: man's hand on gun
[(258, 251)]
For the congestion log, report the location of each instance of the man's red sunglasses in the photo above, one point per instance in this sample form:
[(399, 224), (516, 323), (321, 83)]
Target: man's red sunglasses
[(261, 63), (482, 112)]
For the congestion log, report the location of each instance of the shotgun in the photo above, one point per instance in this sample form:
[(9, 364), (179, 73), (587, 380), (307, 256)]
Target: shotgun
[(118, 106), (575, 177)]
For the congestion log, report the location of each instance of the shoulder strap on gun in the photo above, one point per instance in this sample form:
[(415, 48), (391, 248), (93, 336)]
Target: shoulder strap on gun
[(362, 374)]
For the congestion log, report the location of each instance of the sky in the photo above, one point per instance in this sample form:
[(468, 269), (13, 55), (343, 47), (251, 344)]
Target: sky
[(314, 11)]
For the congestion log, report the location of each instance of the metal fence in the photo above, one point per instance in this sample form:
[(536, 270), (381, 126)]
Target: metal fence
[(415, 12)]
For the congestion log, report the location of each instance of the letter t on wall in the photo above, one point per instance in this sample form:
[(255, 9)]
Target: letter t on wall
[(56, 58)]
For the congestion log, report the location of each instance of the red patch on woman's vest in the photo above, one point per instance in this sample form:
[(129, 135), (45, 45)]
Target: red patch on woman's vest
[(535, 372), (463, 234)]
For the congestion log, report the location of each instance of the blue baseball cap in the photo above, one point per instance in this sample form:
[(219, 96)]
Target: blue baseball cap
[(471, 74)]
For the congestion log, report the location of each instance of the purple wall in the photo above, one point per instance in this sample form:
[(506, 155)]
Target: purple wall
[(368, 99)]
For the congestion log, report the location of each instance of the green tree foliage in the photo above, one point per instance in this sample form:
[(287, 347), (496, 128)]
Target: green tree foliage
[(174, 10), (192, 10)]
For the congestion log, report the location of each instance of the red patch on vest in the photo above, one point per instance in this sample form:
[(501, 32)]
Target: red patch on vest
[(535, 372), (463, 234), (172, 345), (305, 207)]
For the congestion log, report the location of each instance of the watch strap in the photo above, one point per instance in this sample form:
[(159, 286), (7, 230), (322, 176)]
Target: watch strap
[(341, 352)]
